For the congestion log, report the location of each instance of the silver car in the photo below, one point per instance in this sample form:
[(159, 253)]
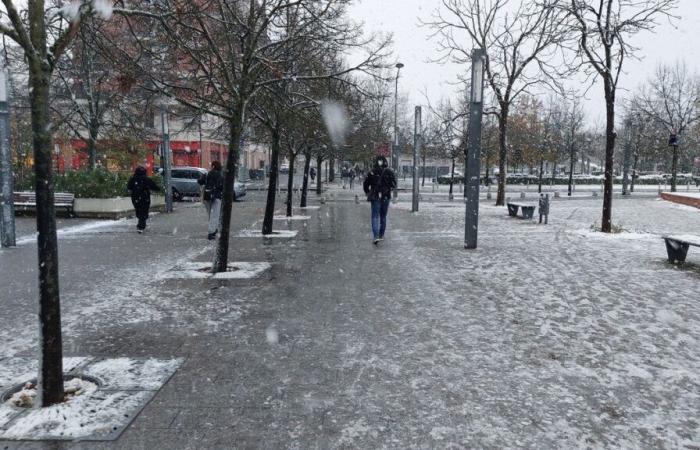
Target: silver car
[(184, 183)]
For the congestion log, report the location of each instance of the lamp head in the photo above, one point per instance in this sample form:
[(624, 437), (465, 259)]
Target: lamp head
[(399, 65)]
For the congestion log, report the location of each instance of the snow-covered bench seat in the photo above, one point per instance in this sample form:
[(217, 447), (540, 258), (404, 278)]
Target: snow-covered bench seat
[(527, 209), (677, 246)]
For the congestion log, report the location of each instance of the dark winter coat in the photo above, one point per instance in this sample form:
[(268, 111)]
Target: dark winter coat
[(140, 187), (213, 182), (379, 183)]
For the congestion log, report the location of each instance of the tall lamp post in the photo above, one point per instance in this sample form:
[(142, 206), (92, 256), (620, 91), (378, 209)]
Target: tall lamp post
[(471, 224), (395, 147), (166, 160)]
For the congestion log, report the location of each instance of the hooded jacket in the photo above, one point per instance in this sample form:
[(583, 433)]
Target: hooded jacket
[(140, 187), (379, 183)]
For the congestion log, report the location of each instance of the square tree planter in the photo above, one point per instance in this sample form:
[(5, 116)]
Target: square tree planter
[(111, 208)]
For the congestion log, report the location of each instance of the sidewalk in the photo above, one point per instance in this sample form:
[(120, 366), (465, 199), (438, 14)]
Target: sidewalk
[(544, 337)]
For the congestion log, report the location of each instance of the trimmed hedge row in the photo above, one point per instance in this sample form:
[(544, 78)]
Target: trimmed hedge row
[(97, 183)]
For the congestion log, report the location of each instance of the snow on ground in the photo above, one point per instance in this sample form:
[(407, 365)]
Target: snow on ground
[(88, 227)]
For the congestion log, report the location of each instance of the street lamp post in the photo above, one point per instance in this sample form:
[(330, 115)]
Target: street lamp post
[(627, 153), (7, 207), (166, 160), (416, 149), (395, 147), (471, 225)]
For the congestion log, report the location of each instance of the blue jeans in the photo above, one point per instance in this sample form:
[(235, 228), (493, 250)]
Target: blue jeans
[(380, 208)]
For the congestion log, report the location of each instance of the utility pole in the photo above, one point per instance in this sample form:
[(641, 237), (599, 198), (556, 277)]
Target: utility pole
[(471, 224), (166, 161), (416, 147), (395, 148), (7, 224)]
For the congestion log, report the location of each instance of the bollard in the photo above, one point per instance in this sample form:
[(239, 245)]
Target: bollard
[(488, 195), (357, 199), (323, 200), (659, 189), (556, 194), (451, 197), (522, 195), (595, 194)]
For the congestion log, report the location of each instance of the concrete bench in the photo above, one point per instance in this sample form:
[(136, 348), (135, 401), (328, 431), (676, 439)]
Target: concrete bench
[(27, 201), (526, 209), (677, 246)]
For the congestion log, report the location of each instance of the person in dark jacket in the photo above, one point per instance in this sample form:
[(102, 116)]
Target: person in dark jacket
[(378, 185), (213, 182), (140, 187)]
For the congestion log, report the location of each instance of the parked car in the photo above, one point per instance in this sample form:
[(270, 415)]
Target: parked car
[(184, 183)]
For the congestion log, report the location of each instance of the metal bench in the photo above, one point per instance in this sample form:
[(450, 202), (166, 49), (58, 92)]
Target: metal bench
[(677, 246), (26, 201), (527, 210)]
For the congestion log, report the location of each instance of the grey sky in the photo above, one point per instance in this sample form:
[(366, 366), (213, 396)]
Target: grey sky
[(669, 43)]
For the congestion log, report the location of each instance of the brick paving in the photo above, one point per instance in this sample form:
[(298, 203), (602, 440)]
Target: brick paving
[(544, 337)]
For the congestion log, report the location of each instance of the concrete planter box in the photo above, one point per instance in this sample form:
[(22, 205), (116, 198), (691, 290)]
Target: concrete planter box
[(112, 208)]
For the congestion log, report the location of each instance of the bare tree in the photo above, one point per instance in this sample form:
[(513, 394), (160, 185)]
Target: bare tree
[(521, 40), (235, 51), (671, 98), (44, 32), (603, 30)]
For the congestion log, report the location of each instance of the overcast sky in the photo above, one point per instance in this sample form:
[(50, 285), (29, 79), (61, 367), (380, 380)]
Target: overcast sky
[(670, 42)]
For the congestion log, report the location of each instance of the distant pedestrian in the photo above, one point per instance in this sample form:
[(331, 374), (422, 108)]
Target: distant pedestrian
[(351, 176), (312, 173), (213, 182), (140, 187), (378, 185)]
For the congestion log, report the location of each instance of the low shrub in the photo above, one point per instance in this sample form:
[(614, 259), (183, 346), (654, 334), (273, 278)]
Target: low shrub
[(97, 183)]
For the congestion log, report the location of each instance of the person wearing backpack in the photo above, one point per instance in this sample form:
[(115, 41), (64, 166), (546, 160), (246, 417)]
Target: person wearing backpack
[(213, 182), (378, 184), (140, 187)]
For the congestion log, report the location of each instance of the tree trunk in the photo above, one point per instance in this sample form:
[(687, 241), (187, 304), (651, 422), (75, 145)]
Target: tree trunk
[(290, 182), (92, 143), (272, 186), (554, 172), (331, 170), (423, 183), (50, 340), (634, 171), (234, 144), (572, 156), (305, 183), (502, 156), (606, 222), (539, 180), (452, 177), (319, 183), (674, 168)]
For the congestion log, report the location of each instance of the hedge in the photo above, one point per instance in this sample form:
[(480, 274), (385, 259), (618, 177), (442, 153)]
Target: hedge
[(97, 183), (546, 181)]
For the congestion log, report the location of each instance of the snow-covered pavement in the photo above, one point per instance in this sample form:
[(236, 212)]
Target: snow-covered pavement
[(544, 337)]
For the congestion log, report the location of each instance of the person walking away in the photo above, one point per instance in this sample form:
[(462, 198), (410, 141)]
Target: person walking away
[(140, 188), (351, 175), (378, 186), (312, 173), (213, 182)]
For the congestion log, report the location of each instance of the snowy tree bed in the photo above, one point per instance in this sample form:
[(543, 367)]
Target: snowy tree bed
[(275, 234), (202, 270), (93, 411), (292, 217)]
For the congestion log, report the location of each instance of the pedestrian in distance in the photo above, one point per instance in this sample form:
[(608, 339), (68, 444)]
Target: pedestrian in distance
[(378, 185), (312, 173), (140, 188), (351, 176), (213, 182)]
